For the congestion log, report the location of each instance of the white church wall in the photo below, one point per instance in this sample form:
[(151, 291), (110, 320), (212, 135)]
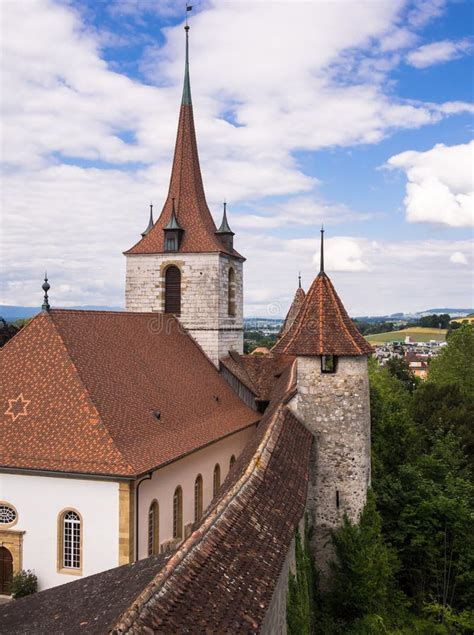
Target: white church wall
[(184, 472), (40, 499)]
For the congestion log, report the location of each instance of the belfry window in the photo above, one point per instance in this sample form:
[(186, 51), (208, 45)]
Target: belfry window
[(178, 513), (173, 290), (328, 363), (231, 293), (153, 528)]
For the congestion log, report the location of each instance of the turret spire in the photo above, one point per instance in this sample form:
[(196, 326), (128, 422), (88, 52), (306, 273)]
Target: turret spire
[(321, 268), (150, 222), (299, 280)]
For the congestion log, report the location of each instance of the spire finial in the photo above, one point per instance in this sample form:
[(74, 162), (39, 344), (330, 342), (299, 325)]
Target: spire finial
[(321, 268), (299, 280), (186, 100), (46, 287)]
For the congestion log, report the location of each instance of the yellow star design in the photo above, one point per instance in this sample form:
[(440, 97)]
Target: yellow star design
[(17, 407)]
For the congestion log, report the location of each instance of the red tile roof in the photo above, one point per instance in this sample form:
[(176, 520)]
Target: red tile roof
[(223, 577), (83, 386), (322, 326), (259, 373)]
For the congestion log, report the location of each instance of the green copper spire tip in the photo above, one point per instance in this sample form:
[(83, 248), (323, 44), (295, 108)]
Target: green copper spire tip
[(186, 100)]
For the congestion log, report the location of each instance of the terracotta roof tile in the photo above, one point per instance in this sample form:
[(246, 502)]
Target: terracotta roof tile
[(93, 381), (322, 326), (293, 311)]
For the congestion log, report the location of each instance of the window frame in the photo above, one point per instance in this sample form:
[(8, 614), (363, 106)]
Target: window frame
[(166, 299), (178, 513), (153, 536), (198, 498), (216, 479), (13, 522), (333, 369), (61, 537)]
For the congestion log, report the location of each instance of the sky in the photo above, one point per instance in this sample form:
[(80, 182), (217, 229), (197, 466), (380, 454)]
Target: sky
[(357, 114)]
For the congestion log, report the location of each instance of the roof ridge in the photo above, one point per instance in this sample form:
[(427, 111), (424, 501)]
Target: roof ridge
[(127, 619), (22, 330), (89, 397)]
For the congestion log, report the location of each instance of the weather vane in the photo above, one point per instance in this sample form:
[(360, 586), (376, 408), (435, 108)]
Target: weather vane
[(189, 7)]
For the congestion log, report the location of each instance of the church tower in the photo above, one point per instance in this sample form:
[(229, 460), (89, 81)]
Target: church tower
[(332, 400), (183, 264)]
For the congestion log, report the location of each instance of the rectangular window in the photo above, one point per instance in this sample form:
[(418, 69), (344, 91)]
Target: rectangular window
[(328, 363), (338, 501)]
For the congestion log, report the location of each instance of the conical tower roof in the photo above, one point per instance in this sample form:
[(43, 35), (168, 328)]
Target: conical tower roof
[(293, 310), (322, 326), (186, 187)]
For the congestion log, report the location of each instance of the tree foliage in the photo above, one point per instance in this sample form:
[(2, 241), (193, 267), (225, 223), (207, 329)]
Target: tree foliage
[(455, 363)]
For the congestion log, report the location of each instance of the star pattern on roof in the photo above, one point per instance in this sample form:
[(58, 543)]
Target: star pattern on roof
[(17, 407)]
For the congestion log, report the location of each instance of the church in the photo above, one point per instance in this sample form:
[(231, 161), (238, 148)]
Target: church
[(146, 438)]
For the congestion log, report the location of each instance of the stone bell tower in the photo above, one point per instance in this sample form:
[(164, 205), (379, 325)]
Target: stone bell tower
[(183, 264), (332, 400)]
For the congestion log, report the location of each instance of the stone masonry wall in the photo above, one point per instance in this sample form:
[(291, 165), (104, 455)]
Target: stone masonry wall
[(204, 299), (336, 408)]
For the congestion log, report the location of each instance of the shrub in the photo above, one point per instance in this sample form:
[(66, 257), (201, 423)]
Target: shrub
[(23, 583)]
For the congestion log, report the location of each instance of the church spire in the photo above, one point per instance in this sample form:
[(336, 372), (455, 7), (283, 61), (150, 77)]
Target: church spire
[(198, 230), (321, 260)]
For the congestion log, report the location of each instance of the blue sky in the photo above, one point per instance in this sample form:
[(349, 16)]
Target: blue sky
[(355, 114)]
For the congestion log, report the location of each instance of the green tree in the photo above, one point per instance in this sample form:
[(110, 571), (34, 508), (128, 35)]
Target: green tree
[(399, 368), (455, 363), (362, 583)]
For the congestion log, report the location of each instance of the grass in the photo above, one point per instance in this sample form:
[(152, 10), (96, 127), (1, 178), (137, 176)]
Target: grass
[(417, 334)]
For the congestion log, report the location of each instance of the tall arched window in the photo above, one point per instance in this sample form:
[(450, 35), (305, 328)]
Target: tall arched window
[(178, 513), (216, 483), (70, 541), (173, 290), (153, 529), (231, 293), (232, 461), (198, 497)]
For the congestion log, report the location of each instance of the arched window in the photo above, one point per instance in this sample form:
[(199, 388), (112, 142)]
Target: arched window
[(217, 479), (198, 497), (178, 513), (231, 293), (153, 529), (231, 462), (173, 290), (70, 541)]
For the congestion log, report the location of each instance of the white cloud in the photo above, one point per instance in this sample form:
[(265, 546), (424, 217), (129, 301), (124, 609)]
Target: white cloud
[(307, 89), (440, 186), (438, 52), (458, 258)]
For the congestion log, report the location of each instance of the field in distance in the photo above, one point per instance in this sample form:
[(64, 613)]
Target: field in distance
[(417, 334)]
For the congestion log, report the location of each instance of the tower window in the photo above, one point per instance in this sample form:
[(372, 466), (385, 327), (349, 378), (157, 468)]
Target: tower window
[(231, 462), (338, 500), (178, 513), (198, 498), (172, 244), (216, 483), (328, 363), (231, 293), (153, 528), (173, 290)]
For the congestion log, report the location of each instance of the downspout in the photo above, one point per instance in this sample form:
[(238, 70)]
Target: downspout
[(145, 478)]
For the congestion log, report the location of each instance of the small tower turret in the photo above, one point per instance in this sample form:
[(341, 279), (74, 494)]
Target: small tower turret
[(224, 233), (150, 222), (173, 232), (332, 400)]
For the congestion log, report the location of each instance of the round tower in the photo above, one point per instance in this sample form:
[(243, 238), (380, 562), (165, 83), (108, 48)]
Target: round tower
[(332, 400)]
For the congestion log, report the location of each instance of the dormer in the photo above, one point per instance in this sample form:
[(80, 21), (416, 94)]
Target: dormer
[(173, 232)]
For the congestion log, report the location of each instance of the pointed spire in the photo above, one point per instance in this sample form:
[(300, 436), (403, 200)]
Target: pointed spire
[(186, 99), (321, 267), (150, 222), (46, 287), (224, 228), (299, 280)]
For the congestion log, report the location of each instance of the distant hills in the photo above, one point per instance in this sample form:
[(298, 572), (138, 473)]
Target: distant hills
[(11, 313)]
